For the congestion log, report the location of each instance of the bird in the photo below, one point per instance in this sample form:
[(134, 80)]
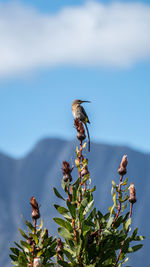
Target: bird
[(79, 113)]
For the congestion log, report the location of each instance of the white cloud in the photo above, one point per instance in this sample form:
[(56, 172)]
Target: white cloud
[(93, 34)]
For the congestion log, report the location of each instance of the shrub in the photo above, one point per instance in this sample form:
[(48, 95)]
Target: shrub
[(89, 238)]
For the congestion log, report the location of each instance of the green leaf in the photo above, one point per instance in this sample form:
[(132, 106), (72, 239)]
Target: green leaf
[(84, 145), (76, 182), (111, 210), (13, 257), (123, 200), (68, 255), (40, 253), (15, 251), (63, 223), (60, 209), (93, 189), (57, 193), (125, 217), (135, 248), (65, 185), (23, 234), (72, 209), (64, 233), (86, 177), (139, 238), (88, 207), (84, 202), (118, 221), (109, 222), (114, 199), (125, 182), (41, 224), (25, 244), (127, 224), (134, 234), (35, 238), (113, 183), (18, 245), (64, 263), (77, 150), (31, 227), (91, 216)]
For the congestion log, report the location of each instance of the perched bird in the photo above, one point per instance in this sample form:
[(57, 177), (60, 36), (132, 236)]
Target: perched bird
[(80, 114)]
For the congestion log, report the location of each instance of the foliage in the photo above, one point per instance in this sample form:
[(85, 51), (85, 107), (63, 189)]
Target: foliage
[(89, 238), (36, 244)]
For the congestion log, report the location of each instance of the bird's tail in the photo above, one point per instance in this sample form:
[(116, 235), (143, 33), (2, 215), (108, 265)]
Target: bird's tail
[(88, 137)]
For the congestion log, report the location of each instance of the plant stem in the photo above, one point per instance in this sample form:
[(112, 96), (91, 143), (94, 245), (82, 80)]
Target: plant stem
[(69, 198), (73, 221), (35, 225), (119, 206), (80, 159), (131, 206), (74, 230), (85, 187)]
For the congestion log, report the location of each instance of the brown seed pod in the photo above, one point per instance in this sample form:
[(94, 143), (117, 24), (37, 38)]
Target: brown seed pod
[(132, 198)]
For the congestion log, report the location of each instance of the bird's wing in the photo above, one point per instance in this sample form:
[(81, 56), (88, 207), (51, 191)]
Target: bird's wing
[(85, 115)]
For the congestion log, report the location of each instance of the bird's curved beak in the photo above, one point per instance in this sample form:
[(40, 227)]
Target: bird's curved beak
[(85, 101)]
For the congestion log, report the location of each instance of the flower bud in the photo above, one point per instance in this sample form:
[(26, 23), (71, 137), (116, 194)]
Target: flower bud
[(67, 172), (35, 214), (37, 262), (30, 240), (67, 177), (124, 161), (35, 209), (80, 130), (59, 246), (81, 136), (84, 171), (122, 168), (132, 192)]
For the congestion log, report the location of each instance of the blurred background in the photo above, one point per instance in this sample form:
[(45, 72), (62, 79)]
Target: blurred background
[(52, 52)]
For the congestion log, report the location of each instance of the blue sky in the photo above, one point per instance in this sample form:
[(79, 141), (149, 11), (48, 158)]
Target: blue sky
[(51, 54)]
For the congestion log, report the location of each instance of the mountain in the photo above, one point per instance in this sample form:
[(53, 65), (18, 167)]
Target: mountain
[(40, 170)]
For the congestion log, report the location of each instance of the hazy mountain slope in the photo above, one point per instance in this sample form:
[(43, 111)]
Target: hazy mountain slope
[(40, 170)]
